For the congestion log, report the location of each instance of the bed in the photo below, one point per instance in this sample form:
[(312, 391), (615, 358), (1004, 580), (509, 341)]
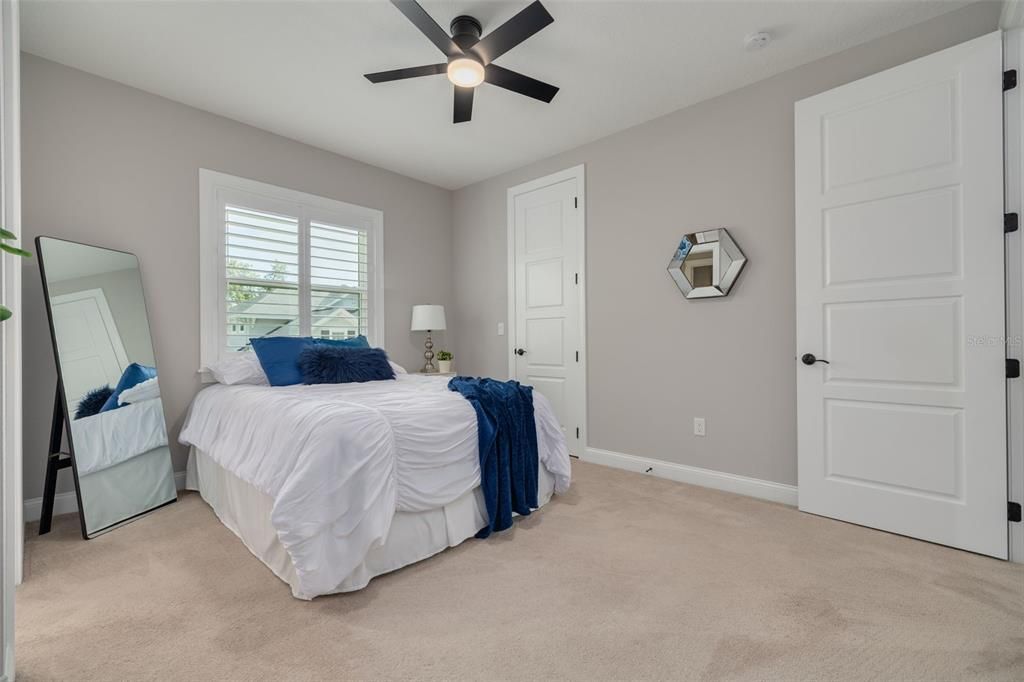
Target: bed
[(331, 485)]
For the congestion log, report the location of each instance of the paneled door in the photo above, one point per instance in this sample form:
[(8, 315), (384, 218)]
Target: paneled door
[(901, 387), (546, 238), (91, 350)]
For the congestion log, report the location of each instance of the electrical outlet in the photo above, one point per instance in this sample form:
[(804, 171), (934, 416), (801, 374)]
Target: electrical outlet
[(699, 426), (501, 329)]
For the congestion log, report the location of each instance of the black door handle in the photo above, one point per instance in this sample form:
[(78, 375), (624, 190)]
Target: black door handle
[(520, 351), (809, 359)]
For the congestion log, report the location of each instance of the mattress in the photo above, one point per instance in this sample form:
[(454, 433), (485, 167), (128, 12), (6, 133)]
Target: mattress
[(338, 460), (413, 536)]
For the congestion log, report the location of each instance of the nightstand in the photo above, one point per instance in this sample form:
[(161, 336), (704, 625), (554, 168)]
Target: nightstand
[(434, 374)]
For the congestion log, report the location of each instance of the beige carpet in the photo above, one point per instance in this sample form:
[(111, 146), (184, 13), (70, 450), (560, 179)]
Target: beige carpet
[(626, 577)]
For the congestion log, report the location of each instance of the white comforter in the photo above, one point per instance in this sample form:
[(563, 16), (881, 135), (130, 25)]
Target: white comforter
[(111, 437), (340, 459)]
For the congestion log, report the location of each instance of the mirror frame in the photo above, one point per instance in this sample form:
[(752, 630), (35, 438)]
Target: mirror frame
[(716, 240), (63, 421)]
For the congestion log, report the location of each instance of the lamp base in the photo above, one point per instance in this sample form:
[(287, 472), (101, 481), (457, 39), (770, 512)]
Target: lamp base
[(428, 356)]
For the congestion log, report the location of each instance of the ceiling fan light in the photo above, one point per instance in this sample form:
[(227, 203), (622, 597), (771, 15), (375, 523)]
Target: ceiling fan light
[(465, 72)]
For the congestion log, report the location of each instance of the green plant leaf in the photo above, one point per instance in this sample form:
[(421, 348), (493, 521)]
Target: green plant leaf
[(7, 234), (15, 251), (5, 313)]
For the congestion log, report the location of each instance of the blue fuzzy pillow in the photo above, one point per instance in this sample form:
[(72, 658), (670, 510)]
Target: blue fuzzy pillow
[(330, 364), (93, 402)]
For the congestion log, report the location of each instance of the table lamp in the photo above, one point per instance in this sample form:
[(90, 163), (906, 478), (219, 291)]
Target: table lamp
[(428, 318)]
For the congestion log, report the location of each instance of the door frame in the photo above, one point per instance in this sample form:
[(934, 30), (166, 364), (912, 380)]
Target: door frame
[(579, 394), (11, 523), (1013, 155)]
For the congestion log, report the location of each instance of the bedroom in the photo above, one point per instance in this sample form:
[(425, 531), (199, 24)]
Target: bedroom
[(226, 161)]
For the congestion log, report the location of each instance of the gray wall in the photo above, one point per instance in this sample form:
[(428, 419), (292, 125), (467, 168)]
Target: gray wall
[(111, 165), (114, 166), (127, 306), (657, 360)]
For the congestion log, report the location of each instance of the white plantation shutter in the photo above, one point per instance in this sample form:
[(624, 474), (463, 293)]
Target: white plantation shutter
[(284, 263), (339, 280), (261, 272)]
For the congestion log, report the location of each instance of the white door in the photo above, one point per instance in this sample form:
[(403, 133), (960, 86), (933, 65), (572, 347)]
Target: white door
[(899, 279), (91, 351), (546, 245)]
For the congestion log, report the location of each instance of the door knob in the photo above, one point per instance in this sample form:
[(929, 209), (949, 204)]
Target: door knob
[(809, 359), (520, 351)]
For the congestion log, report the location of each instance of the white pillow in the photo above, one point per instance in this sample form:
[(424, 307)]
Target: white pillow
[(240, 368), (397, 368), (146, 390)]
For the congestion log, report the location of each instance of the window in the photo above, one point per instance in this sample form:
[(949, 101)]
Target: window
[(276, 262)]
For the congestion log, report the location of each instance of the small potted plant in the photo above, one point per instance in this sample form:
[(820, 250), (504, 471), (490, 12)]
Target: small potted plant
[(444, 361)]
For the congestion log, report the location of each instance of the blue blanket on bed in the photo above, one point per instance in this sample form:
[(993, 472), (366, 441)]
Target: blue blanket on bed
[(508, 447)]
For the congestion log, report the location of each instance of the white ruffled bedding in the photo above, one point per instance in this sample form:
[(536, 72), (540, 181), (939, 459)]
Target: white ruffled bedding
[(112, 437), (340, 459)]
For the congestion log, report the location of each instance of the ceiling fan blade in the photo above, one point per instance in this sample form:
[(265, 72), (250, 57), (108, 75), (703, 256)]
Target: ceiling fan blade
[(427, 26), (512, 32), (411, 72), (463, 110), (517, 82)]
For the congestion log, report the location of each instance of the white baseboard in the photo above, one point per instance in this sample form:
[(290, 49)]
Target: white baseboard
[(708, 478), (67, 503)]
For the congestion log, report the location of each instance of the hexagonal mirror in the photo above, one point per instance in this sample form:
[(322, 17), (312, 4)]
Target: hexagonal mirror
[(706, 264)]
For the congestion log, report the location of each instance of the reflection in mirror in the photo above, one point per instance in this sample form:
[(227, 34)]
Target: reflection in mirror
[(706, 264), (111, 391)]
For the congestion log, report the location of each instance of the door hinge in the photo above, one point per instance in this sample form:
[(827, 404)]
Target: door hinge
[(576, 200), (1009, 79), (1010, 222), (1012, 369), (1013, 511)]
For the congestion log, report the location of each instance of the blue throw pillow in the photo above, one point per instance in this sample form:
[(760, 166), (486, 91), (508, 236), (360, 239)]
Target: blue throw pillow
[(93, 401), (331, 364), (133, 374), (279, 357), (351, 342)]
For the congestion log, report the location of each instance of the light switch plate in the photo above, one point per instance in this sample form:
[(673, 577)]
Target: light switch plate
[(501, 329), (699, 428)]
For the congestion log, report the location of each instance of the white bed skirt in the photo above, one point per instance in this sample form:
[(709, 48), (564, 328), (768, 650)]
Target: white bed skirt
[(414, 536)]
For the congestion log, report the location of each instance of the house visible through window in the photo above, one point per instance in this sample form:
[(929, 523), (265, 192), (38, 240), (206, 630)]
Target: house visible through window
[(288, 264)]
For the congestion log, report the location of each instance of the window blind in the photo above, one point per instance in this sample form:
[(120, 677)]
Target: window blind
[(276, 287), (339, 280)]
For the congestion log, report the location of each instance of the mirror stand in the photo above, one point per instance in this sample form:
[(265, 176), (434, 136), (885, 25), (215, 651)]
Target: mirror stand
[(56, 460)]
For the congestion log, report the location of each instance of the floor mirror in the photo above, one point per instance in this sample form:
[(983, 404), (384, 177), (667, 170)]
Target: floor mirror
[(107, 402)]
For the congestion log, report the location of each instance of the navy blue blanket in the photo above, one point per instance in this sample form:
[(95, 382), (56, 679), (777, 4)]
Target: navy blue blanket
[(508, 447)]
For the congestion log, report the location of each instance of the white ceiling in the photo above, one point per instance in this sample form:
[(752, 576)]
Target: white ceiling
[(295, 68)]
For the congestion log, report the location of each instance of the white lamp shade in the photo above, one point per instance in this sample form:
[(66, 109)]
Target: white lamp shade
[(428, 318)]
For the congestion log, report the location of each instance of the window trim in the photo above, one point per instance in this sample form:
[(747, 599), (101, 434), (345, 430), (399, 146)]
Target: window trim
[(218, 189)]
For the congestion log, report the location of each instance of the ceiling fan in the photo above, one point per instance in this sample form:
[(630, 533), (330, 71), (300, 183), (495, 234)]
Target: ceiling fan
[(470, 57)]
